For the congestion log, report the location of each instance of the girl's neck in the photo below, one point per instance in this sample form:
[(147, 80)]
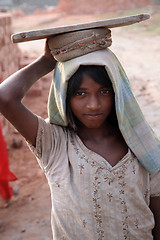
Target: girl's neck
[(96, 134)]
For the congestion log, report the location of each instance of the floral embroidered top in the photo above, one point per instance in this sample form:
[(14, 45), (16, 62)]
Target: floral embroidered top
[(90, 198)]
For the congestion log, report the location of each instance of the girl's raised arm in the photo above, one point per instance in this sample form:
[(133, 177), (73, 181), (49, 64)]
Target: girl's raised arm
[(13, 89)]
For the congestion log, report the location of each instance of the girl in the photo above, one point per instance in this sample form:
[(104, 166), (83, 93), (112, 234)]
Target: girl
[(99, 189)]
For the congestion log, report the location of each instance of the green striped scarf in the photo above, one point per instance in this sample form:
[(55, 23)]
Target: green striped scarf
[(138, 135)]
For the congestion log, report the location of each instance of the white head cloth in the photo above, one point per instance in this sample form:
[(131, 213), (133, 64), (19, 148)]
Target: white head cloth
[(133, 126)]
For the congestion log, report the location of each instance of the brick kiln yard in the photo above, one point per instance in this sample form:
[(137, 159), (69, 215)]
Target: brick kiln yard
[(28, 215)]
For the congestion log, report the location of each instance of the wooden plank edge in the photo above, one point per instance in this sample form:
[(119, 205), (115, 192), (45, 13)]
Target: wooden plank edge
[(45, 33)]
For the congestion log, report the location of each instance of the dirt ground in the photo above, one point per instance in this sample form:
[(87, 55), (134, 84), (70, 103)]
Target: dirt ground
[(28, 214)]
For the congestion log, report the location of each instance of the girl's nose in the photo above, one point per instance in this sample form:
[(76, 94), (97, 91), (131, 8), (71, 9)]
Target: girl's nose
[(93, 103)]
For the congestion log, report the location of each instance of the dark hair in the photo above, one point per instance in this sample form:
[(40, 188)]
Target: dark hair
[(100, 75)]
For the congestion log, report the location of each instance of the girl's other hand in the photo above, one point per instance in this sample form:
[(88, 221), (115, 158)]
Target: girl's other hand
[(47, 53)]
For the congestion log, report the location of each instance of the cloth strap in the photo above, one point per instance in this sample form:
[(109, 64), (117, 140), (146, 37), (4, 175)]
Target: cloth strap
[(74, 44)]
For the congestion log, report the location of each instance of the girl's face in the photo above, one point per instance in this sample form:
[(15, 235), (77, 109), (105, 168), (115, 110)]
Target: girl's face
[(91, 104)]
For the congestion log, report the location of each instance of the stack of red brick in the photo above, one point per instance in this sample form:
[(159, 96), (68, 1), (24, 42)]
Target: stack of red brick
[(9, 53), (99, 6)]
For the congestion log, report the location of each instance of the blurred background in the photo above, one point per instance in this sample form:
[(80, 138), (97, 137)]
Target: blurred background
[(27, 216)]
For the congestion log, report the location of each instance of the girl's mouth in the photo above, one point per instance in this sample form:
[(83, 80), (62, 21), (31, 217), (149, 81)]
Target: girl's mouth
[(93, 115)]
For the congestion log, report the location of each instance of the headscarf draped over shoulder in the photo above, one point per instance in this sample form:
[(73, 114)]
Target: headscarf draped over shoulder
[(137, 133)]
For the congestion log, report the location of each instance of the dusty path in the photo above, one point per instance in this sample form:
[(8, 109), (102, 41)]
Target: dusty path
[(28, 216)]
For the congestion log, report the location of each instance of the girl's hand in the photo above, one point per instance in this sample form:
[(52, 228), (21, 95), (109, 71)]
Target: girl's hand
[(47, 53)]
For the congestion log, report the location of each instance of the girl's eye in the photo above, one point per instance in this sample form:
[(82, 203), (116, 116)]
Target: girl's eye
[(79, 93), (106, 91)]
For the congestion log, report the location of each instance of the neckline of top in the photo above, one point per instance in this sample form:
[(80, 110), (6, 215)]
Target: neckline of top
[(98, 158)]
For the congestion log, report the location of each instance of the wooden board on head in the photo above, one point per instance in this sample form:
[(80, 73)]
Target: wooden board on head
[(108, 23)]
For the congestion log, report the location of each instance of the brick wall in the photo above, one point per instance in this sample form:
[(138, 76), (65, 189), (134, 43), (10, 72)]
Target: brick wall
[(99, 6), (10, 55)]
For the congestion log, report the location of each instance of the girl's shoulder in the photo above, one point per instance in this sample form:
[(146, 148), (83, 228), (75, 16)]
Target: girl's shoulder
[(55, 130)]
